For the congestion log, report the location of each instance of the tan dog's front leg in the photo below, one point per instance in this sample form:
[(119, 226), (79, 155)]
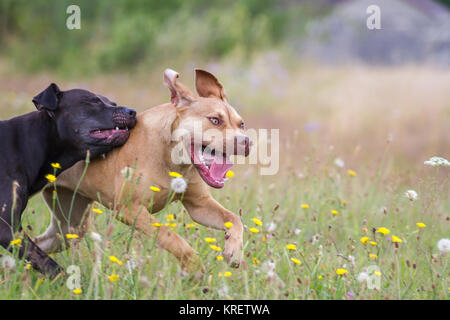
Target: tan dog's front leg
[(166, 238), (208, 212)]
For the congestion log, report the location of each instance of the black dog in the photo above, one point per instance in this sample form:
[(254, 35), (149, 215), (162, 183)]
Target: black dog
[(67, 125)]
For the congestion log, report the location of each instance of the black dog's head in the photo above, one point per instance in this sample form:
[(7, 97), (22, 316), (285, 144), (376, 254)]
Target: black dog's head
[(85, 120)]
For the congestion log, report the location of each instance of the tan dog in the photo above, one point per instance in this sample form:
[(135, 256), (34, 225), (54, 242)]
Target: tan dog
[(150, 151)]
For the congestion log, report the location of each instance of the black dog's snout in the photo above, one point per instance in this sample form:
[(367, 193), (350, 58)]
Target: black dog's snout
[(130, 112), (124, 116)]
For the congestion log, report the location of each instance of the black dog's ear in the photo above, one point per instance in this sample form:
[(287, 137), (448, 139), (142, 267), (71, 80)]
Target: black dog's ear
[(48, 99)]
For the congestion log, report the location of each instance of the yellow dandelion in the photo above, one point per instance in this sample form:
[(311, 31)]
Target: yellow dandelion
[(171, 225), (190, 225), (228, 225), (341, 272), (319, 277), (373, 243), (257, 221), (170, 217), (220, 274), (373, 256), (71, 236), (77, 291), (50, 177), (305, 206), (351, 173), (291, 246), (334, 212), (229, 174), (56, 165), (153, 188), (28, 266), (210, 240), (396, 239), (113, 278), (365, 229), (364, 240), (421, 224), (16, 242), (253, 230), (156, 224), (383, 231), (344, 202), (227, 274), (219, 258), (97, 210), (215, 248), (378, 273), (256, 260), (296, 261), (175, 174), (116, 260)]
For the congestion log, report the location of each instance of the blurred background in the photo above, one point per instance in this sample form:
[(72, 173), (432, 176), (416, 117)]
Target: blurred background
[(311, 68)]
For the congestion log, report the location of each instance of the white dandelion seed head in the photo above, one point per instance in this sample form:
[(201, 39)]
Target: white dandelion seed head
[(271, 226), (444, 245), (437, 162), (363, 277), (96, 237), (411, 195), (8, 263), (178, 185), (339, 162), (127, 173)]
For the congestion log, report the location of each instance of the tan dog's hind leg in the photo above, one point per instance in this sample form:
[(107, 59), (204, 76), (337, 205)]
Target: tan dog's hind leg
[(208, 212), (166, 238), (61, 224)]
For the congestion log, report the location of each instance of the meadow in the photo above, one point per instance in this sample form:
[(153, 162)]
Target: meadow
[(353, 141)]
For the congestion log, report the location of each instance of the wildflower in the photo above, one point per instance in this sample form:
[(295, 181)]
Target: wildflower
[(96, 237), (291, 246), (16, 242), (319, 277), (383, 231), (50, 177), (131, 265), (215, 248), (116, 260), (113, 278), (378, 273), (296, 261), (421, 224), (364, 240), (344, 202), (257, 221), (334, 212), (210, 240), (227, 274), (219, 258), (271, 226), (190, 225), (97, 210), (171, 225), (229, 174), (175, 174), (437, 162), (127, 173), (228, 224), (373, 243), (170, 217), (55, 165), (77, 291), (305, 206), (339, 162), (341, 272), (411, 195), (297, 231), (396, 239), (444, 245), (155, 189), (351, 173), (350, 295), (156, 224), (256, 260), (8, 262), (363, 276), (71, 236), (373, 256), (253, 230), (28, 266), (178, 185)]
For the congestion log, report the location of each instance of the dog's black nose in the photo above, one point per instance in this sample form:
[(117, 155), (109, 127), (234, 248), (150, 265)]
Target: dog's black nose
[(130, 112)]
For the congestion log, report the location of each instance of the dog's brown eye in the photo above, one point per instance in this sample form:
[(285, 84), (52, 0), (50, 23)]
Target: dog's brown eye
[(214, 121), (242, 125)]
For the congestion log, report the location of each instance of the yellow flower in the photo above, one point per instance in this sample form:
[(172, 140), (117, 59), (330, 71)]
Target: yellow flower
[(215, 248), (228, 225), (219, 258), (296, 261), (172, 225), (156, 224), (190, 225), (253, 230), (97, 210), (170, 217), (373, 256), (50, 177), (378, 273), (364, 240), (257, 221), (116, 260), (373, 243), (305, 206), (71, 236), (113, 278), (227, 274), (341, 272), (229, 174), (421, 224), (175, 174), (383, 230), (335, 212), (220, 274), (16, 242), (396, 239), (28, 266), (351, 173), (344, 202), (77, 291), (210, 240), (319, 277), (291, 246), (256, 260), (56, 165), (156, 189)]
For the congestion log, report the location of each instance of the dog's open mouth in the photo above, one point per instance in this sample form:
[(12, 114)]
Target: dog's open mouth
[(211, 165), (111, 136)]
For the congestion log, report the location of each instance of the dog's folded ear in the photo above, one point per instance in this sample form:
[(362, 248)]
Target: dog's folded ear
[(180, 95), (208, 86), (48, 99)]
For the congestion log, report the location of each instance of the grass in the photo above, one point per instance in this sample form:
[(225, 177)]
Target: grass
[(356, 110)]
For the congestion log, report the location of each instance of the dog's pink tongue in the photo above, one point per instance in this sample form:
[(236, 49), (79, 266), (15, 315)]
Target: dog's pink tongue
[(218, 170)]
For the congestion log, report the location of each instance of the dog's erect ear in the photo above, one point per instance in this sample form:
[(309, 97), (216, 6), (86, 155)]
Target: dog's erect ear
[(180, 95), (48, 99), (208, 86)]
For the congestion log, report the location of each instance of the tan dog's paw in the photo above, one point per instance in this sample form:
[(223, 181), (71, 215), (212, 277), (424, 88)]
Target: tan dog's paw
[(232, 252)]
